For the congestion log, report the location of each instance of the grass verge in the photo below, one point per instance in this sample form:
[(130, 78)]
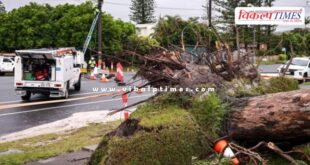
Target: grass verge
[(50, 145)]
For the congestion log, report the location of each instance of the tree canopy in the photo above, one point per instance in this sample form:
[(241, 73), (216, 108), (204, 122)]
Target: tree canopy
[(142, 11), (37, 26), (2, 7), (170, 28)]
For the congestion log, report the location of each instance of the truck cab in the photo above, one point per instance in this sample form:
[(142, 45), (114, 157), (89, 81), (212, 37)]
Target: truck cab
[(51, 72), (7, 64)]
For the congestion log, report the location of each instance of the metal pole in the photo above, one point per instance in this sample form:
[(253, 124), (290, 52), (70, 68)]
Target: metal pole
[(210, 13), (100, 59), (254, 44)]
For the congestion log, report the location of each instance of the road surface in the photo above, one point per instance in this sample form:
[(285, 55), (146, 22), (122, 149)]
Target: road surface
[(269, 68), (21, 118)]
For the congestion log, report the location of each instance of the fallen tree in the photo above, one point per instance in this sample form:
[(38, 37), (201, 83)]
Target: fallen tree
[(274, 118), (175, 68), (280, 117)]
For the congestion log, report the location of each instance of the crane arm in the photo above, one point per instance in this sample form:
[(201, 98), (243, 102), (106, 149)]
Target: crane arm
[(90, 33)]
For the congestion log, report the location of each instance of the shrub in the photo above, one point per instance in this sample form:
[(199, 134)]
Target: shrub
[(142, 45), (261, 52), (209, 114), (243, 88), (278, 84), (282, 57)]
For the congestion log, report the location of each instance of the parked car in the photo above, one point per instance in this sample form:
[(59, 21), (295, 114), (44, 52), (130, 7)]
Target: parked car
[(299, 69), (7, 64)]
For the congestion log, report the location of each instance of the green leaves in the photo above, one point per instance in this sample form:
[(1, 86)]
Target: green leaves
[(2, 8), (38, 26), (142, 11), (169, 31)]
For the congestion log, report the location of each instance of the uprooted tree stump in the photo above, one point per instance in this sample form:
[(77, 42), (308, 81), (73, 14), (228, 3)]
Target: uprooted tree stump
[(152, 137), (280, 117), (174, 69)]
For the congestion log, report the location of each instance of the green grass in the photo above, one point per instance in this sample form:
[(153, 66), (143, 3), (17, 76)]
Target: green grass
[(306, 83), (271, 62), (273, 85), (56, 144), (174, 129), (158, 118), (170, 135)]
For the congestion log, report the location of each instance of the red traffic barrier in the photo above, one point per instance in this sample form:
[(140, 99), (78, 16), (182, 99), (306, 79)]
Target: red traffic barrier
[(126, 115), (125, 99), (120, 74)]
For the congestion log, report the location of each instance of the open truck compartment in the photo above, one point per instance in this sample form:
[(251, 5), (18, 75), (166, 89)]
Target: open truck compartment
[(38, 69)]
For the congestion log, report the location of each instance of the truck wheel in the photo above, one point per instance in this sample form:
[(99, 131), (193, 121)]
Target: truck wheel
[(27, 96), (1, 73), (306, 77), (77, 86)]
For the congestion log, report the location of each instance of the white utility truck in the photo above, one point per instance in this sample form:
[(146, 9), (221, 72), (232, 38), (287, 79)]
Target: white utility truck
[(7, 64), (299, 69), (47, 71)]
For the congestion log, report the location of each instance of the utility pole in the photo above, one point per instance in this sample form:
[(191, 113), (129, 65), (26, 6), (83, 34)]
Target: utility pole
[(254, 44), (210, 12), (100, 59)]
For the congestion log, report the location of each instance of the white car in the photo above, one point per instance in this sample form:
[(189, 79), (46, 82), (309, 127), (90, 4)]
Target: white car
[(7, 64), (299, 68)]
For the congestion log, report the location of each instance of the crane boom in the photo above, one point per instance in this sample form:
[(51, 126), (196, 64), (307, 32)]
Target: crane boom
[(90, 33)]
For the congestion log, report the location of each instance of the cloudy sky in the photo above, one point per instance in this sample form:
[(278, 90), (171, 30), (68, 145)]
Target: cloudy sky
[(184, 8)]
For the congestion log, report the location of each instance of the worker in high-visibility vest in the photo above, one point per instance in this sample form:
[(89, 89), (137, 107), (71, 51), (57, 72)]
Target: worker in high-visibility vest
[(92, 63)]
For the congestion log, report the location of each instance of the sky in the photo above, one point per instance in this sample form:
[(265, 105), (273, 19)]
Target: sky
[(184, 8)]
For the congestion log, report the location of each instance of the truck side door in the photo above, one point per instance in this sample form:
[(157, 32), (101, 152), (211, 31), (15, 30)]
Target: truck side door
[(18, 75)]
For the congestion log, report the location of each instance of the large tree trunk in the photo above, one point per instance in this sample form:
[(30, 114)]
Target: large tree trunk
[(274, 117)]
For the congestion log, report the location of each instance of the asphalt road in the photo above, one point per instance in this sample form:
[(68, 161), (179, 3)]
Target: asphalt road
[(269, 68), (21, 118)]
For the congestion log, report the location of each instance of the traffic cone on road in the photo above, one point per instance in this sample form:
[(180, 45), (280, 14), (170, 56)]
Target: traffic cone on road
[(120, 74), (221, 147), (92, 75), (104, 79)]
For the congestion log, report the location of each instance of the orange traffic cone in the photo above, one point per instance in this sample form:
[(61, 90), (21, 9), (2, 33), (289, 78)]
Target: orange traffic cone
[(92, 75), (221, 147), (120, 74), (104, 79)]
